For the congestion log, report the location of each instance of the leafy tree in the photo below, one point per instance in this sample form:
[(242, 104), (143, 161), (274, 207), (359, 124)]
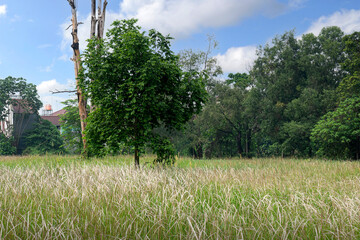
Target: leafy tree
[(9, 87), (295, 84), (15, 92), (337, 134), (44, 138), (71, 127), (136, 84)]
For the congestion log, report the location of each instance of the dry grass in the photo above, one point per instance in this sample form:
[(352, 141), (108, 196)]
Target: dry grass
[(67, 198)]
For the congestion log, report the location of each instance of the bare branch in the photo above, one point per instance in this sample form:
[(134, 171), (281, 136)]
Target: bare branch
[(64, 91)]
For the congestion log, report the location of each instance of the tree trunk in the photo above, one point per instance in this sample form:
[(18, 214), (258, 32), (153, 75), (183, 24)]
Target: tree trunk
[(77, 67), (239, 145), (101, 19), (248, 143), (137, 158), (93, 19)]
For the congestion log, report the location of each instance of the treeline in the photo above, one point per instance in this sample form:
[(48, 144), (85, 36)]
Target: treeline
[(301, 98)]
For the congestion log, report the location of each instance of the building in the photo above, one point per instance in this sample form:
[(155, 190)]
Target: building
[(54, 118), (18, 120)]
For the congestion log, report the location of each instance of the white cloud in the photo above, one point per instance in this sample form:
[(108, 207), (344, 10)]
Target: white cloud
[(44, 90), (3, 9), (347, 20), (46, 87), (240, 59), (237, 59), (181, 18)]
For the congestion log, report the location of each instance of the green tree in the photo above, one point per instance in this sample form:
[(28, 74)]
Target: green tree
[(11, 87), (71, 127), (337, 134), (6, 147), (43, 138), (295, 83), (16, 92), (134, 80)]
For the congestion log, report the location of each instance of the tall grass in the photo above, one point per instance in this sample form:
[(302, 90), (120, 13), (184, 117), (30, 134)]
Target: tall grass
[(68, 198)]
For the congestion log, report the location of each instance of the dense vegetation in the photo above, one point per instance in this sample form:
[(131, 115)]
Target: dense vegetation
[(28, 134), (300, 98), (68, 198)]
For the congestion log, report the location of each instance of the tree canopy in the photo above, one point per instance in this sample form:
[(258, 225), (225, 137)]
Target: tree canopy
[(12, 89), (136, 84)]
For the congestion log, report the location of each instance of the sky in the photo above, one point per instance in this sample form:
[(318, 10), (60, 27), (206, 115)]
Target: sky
[(35, 45)]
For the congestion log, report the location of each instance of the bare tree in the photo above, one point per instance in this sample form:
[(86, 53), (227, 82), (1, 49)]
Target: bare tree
[(77, 66), (100, 21)]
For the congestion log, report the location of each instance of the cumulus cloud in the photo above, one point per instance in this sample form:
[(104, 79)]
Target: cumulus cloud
[(347, 20), (240, 59), (237, 59), (3, 9), (181, 18)]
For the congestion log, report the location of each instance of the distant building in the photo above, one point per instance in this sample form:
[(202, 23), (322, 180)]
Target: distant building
[(19, 120), (54, 118)]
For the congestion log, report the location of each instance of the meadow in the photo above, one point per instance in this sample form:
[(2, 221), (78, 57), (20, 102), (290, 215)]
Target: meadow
[(55, 197)]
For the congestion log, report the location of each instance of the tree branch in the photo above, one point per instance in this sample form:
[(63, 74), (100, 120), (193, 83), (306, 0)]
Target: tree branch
[(64, 91)]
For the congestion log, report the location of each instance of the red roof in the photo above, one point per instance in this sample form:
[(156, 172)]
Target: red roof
[(60, 112), (53, 119)]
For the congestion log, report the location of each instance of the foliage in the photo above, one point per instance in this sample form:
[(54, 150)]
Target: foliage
[(6, 147), (136, 84), (44, 138), (71, 127), (294, 81), (337, 134), (164, 150), (17, 87)]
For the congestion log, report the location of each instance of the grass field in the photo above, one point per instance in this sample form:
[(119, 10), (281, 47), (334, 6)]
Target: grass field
[(55, 197)]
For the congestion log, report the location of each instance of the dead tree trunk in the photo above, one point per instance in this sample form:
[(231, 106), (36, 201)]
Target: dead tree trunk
[(101, 18), (98, 22), (77, 67)]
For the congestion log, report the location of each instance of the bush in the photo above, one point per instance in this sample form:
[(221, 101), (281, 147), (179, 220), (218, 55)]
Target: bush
[(6, 147)]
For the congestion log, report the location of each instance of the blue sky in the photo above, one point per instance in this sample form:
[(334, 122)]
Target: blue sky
[(35, 45)]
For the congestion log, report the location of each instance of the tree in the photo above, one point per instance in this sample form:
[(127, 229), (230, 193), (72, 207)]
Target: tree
[(295, 81), (16, 93), (6, 147), (135, 81), (97, 29), (337, 134), (44, 138), (71, 127), (77, 67), (12, 89)]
